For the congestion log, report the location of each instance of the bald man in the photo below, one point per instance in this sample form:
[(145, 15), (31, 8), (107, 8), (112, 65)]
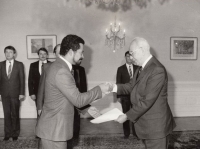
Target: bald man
[(150, 112)]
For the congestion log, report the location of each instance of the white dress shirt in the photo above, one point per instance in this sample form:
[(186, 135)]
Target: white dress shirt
[(40, 65), (128, 65), (8, 64)]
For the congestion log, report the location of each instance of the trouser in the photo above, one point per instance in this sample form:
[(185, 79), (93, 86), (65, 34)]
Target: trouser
[(157, 143), (76, 124), (49, 144), (126, 105), (11, 116)]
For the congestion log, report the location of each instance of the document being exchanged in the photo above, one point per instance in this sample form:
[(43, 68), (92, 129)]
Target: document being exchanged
[(108, 116)]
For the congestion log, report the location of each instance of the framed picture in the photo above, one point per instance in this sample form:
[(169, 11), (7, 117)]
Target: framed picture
[(184, 48), (35, 42)]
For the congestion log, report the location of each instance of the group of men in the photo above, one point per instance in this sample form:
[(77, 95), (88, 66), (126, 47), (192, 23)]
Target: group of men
[(142, 89)]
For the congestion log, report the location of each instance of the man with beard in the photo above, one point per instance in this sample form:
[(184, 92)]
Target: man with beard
[(55, 125)]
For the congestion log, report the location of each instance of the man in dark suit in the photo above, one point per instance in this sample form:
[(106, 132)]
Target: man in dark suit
[(12, 90), (41, 86), (124, 74), (35, 73), (150, 112), (55, 125), (81, 84)]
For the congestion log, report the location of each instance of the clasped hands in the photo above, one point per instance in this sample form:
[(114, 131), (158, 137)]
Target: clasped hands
[(106, 88)]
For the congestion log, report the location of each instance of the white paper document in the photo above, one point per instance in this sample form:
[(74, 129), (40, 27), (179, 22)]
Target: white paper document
[(108, 116)]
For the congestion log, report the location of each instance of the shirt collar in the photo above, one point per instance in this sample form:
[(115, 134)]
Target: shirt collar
[(43, 61), (68, 63), (127, 65), (144, 64), (12, 61)]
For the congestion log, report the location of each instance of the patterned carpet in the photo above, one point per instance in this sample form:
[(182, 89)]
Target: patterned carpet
[(178, 140)]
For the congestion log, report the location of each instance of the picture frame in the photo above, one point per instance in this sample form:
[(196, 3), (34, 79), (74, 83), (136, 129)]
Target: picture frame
[(35, 42), (183, 48)]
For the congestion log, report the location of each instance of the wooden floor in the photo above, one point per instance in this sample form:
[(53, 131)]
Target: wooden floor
[(28, 126)]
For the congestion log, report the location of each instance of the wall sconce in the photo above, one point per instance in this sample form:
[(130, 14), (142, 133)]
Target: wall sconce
[(113, 40)]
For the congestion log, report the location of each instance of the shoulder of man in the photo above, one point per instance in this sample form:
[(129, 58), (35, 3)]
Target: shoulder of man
[(18, 62), (122, 66), (34, 63)]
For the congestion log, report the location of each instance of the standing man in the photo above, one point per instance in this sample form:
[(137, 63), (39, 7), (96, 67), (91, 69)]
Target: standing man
[(150, 112), (12, 90), (35, 72), (124, 74), (81, 84), (41, 86), (55, 125)]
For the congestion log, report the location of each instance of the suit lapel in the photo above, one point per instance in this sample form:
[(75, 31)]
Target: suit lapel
[(4, 70), (126, 70), (145, 70)]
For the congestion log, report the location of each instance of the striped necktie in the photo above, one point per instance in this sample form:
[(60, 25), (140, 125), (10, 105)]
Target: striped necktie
[(9, 70), (42, 68), (130, 71)]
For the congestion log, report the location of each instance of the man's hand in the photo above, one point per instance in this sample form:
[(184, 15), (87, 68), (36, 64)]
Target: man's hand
[(33, 97), (106, 88), (0, 98), (94, 112), (39, 112), (21, 97), (121, 118)]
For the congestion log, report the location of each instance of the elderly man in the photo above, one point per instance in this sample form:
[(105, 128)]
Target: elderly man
[(150, 111)]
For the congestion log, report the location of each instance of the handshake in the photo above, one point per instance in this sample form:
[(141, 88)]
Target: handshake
[(106, 88)]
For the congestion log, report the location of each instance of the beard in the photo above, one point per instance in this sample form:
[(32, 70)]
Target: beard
[(78, 62)]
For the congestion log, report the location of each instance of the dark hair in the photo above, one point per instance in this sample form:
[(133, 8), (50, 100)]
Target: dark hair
[(10, 48), (127, 52), (42, 49), (55, 48), (70, 42)]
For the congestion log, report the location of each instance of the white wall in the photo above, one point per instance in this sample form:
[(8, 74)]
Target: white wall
[(156, 22)]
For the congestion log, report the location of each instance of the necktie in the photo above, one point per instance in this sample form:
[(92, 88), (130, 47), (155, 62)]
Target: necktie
[(42, 68), (130, 71), (9, 70), (139, 71)]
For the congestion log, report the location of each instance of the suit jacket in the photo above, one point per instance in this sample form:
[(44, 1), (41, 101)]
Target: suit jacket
[(34, 78), (150, 110), (123, 76), (61, 95), (41, 87), (80, 78), (14, 86)]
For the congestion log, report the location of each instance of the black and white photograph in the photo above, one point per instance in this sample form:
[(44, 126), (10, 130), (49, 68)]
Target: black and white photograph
[(99, 74)]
